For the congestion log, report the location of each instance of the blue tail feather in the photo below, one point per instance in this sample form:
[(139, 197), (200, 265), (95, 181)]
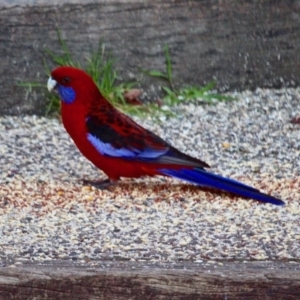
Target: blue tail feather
[(206, 179)]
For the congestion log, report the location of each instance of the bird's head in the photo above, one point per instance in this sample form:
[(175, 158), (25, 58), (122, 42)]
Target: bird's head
[(72, 84)]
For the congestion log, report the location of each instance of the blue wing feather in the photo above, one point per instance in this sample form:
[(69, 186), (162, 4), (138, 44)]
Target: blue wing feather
[(131, 141), (108, 149)]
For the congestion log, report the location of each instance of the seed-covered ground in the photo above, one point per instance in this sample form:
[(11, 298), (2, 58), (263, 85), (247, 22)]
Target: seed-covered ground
[(47, 213)]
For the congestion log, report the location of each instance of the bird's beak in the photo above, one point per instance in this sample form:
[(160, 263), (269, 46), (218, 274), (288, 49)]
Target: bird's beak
[(51, 84)]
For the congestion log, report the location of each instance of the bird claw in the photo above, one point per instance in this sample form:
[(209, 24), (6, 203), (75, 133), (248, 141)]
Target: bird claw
[(100, 185)]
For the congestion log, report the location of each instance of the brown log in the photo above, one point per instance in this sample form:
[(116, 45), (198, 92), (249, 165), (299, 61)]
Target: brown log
[(125, 280), (240, 44)]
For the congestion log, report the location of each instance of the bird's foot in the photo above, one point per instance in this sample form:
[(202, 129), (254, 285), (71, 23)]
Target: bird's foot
[(101, 185)]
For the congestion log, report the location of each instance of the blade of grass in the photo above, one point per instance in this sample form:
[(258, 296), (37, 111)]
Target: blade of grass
[(169, 66)]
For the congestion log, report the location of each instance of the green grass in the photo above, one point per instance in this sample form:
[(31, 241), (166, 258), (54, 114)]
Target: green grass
[(173, 96), (100, 66)]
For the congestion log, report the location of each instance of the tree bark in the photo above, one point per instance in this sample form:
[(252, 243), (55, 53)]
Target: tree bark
[(140, 281)]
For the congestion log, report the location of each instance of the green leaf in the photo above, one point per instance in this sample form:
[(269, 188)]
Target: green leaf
[(30, 84), (157, 74)]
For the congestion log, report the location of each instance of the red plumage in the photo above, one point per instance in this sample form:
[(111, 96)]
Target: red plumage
[(89, 102), (120, 147)]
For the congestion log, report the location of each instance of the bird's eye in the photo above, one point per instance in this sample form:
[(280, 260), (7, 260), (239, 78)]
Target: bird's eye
[(66, 80)]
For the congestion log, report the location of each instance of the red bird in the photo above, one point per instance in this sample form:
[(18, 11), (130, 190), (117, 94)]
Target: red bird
[(120, 147)]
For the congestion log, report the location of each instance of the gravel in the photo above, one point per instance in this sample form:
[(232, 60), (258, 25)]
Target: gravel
[(47, 213)]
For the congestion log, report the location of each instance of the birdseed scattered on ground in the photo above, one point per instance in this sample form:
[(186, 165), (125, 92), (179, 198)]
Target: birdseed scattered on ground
[(47, 213)]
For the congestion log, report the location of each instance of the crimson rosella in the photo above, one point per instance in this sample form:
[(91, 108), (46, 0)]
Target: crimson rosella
[(120, 147)]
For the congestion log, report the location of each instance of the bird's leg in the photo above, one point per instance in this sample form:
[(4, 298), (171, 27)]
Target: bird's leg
[(101, 185)]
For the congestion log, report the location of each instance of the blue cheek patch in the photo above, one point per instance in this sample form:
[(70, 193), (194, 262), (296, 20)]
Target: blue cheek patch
[(66, 94)]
